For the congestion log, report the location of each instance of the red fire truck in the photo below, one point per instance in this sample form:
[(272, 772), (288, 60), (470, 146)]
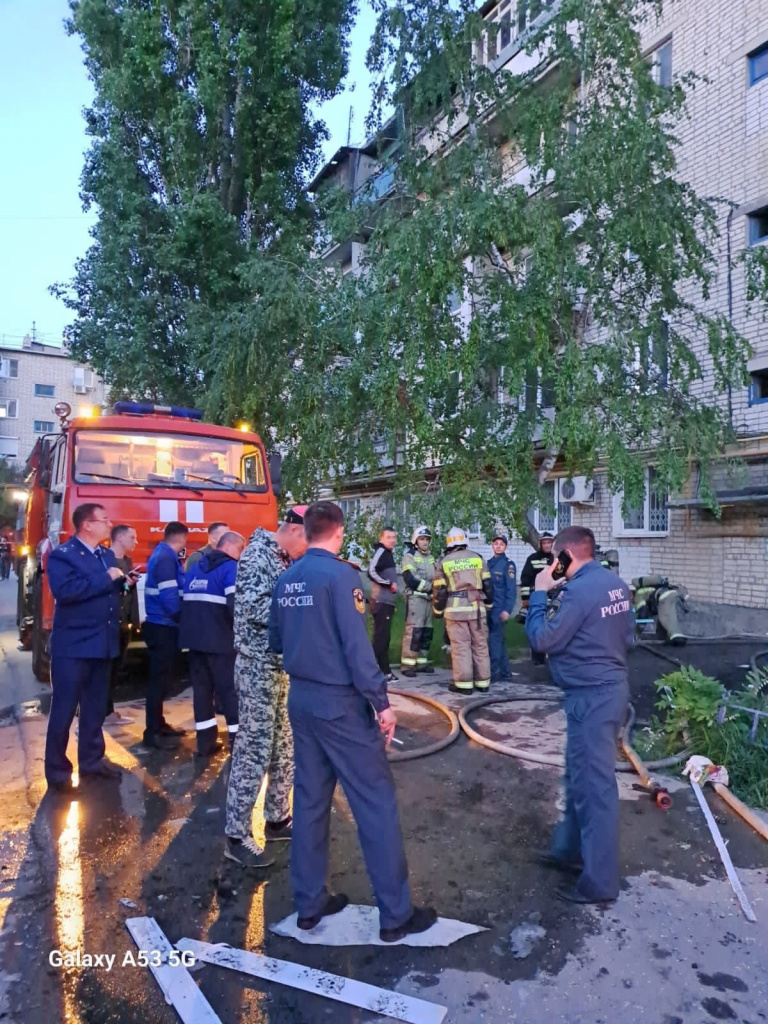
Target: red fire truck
[(147, 465)]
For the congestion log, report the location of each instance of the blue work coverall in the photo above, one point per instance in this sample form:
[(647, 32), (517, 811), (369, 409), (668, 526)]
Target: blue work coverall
[(504, 578), (317, 622), (586, 632), (162, 599), (85, 639)]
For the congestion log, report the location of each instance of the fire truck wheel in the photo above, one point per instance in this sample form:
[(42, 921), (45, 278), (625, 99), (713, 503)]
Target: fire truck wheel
[(41, 660)]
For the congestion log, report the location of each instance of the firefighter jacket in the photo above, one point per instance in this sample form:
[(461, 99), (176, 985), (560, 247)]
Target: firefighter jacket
[(462, 586), (208, 607), (418, 574), (504, 576), (162, 593), (535, 563)]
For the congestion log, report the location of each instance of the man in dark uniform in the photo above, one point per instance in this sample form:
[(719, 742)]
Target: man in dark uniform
[(586, 632), (339, 709), (87, 586), (534, 564), (206, 631), (504, 579)]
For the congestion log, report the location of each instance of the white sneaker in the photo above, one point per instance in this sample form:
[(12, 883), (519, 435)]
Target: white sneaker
[(117, 718)]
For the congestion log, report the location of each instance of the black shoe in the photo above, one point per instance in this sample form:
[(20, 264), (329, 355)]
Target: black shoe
[(103, 771), (203, 755), (168, 730), (160, 742), (409, 672), (247, 854), (572, 895), (61, 785), (426, 669), (391, 678), (421, 920), (460, 689), (549, 860), (333, 905), (280, 832)]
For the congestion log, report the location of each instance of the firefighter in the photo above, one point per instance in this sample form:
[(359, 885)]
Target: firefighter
[(418, 574), (504, 577), (206, 631), (463, 593), (535, 563), (654, 595)]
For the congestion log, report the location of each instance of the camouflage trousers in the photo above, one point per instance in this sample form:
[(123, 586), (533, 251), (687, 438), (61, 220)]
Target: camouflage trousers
[(264, 745)]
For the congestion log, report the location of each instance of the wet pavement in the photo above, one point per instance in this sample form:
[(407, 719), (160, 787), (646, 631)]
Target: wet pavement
[(674, 949)]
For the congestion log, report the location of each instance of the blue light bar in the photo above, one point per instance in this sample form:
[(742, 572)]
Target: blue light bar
[(146, 409)]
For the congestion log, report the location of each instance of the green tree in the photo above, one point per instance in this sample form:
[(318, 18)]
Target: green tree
[(204, 134), (548, 202)]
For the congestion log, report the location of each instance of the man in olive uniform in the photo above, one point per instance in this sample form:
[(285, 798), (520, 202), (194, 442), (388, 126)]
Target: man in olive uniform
[(418, 574), (535, 563), (463, 593)]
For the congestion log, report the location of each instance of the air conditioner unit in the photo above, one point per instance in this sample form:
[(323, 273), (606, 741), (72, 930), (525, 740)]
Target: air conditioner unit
[(81, 389), (578, 491)]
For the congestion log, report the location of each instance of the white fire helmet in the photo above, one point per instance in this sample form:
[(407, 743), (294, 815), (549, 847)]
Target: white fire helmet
[(421, 531), (455, 538)]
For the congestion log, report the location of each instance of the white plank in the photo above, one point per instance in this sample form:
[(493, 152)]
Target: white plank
[(332, 986), (176, 982), (730, 870)]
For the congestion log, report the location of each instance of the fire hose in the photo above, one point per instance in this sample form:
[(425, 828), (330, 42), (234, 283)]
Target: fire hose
[(551, 759), (431, 748)]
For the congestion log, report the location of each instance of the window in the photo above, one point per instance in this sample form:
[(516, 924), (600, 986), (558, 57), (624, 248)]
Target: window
[(757, 226), (758, 386), (9, 409), (45, 391), (82, 380), (188, 462), (350, 507), (44, 426), (758, 64), (552, 515), (661, 64), (650, 517), (9, 447), (9, 367)]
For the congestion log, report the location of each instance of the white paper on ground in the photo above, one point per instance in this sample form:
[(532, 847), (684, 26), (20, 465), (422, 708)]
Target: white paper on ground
[(359, 926), (332, 986), (176, 982)]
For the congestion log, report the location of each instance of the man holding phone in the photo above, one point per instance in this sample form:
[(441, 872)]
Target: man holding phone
[(586, 631)]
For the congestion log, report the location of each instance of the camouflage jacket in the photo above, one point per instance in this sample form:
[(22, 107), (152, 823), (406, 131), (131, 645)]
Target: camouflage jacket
[(258, 570)]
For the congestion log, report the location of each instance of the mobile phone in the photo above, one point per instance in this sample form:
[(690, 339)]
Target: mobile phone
[(564, 561), (136, 570)]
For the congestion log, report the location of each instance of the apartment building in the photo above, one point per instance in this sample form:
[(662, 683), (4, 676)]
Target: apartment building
[(33, 378), (723, 152)]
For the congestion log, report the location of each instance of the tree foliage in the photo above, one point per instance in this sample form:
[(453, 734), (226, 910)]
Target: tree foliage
[(545, 201), (203, 136), (548, 202)]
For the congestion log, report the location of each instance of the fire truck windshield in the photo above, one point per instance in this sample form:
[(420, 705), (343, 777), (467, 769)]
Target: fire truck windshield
[(113, 458)]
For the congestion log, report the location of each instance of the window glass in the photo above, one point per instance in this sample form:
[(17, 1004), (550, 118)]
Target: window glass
[(159, 460), (758, 64), (44, 426), (45, 390)]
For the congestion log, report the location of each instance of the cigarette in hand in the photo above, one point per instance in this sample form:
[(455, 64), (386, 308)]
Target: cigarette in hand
[(396, 740)]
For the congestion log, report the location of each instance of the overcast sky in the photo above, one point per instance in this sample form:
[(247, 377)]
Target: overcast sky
[(43, 89)]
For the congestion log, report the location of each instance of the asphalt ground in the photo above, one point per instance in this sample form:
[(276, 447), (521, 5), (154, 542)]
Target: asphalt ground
[(674, 949)]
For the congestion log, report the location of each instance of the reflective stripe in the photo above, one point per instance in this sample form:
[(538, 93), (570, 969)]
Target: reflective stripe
[(232, 728), (208, 598), (210, 724), (422, 661), (229, 590), (407, 661), (167, 584), (464, 686), (151, 590)]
